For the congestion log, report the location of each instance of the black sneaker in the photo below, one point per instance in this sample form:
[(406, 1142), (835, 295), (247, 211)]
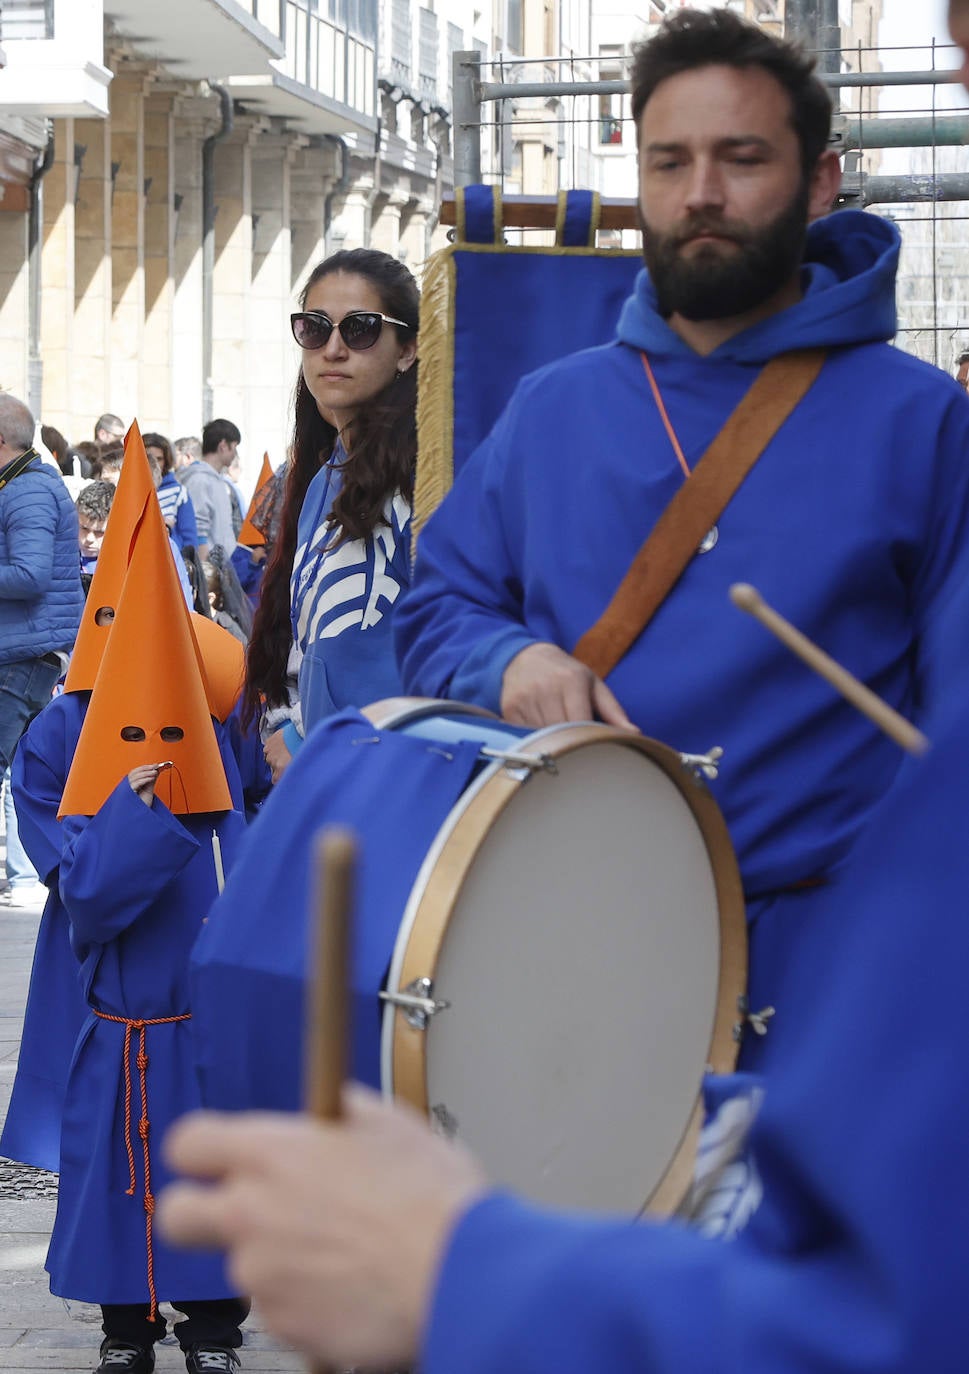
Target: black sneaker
[(211, 1359), (120, 1357)]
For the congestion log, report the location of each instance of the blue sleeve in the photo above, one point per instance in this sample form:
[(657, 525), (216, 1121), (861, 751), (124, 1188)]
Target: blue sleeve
[(462, 621), (247, 569), (38, 786), (115, 865), (30, 524), (186, 530), (942, 578), (292, 738)]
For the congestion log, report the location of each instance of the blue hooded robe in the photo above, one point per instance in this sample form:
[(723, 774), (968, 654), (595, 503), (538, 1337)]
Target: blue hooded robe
[(857, 1258), (854, 524), (137, 883)]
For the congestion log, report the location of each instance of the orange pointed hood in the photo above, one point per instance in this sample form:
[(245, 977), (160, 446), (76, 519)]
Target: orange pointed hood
[(149, 701), (223, 662), (134, 488), (251, 534)]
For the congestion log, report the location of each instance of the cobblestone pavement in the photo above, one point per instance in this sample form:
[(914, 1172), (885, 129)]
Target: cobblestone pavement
[(37, 1330)]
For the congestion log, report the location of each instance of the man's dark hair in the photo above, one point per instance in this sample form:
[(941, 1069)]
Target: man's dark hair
[(702, 38), (95, 499), (962, 358), (217, 430)]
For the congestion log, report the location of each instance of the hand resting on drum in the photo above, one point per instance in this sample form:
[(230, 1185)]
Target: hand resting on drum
[(336, 1230), (543, 685)]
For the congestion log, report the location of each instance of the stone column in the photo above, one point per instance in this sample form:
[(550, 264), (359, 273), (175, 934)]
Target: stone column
[(57, 296), (385, 226), (159, 251), (127, 96), (415, 235), (312, 174), (14, 302), (271, 354), (350, 225), (193, 122), (231, 277), (92, 272)]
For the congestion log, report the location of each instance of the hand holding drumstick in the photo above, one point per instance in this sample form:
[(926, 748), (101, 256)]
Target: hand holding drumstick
[(748, 599)]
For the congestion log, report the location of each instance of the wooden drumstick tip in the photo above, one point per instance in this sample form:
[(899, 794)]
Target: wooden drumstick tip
[(745, 597), (336, 846)]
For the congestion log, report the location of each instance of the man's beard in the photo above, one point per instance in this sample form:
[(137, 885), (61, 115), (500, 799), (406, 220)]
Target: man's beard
[(718, 284)]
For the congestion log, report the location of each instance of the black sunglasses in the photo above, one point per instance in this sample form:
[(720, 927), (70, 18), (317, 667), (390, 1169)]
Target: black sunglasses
[(358, 330)]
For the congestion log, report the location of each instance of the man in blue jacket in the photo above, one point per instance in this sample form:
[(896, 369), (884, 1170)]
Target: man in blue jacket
[(853, 522), (40, 584)]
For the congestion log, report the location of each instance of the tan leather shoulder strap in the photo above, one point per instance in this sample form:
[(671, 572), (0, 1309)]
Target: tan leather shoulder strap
[(697, 507)]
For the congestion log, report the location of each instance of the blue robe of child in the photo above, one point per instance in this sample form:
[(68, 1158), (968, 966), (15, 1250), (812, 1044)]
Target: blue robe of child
[(137, 883), (857, 1258), (56, 1007)]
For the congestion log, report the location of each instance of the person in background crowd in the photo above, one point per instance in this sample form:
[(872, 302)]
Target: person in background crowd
[(231, 477), (176, 504), (89, 453), (962, 370), (70, 462), (232, 612), (109, 429), (93, 507), (342, 558), (250, 560), (107, 466), (210, 493), (24, 888), (40, 585), (186, 450)]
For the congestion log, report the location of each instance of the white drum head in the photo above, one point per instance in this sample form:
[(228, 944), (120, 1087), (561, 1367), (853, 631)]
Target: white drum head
[(581, 962)]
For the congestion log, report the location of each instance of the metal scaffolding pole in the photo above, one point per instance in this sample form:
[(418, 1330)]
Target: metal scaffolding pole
[(466, 76), (852, 134), (526, 90)]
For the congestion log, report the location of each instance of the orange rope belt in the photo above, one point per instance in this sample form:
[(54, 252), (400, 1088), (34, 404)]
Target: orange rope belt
[(144, 1126)]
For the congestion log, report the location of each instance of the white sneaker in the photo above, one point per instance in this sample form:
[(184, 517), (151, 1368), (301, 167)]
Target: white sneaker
[(28, 895)]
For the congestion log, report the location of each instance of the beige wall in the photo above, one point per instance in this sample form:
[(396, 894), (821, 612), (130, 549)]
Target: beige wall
[(13, 303)]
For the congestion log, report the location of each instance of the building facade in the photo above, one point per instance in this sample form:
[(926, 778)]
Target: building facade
[(188, 164)]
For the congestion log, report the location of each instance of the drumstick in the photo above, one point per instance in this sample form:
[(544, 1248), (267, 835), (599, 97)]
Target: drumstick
[(328, 989), (747, 598), (328, 994)]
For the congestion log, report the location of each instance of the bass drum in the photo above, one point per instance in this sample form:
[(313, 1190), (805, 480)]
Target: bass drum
[(570, 961)]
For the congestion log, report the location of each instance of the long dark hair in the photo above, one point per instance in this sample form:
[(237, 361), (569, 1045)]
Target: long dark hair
[(384, 453)]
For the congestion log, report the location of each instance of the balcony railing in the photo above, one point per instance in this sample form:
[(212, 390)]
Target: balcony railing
[(26, 19)]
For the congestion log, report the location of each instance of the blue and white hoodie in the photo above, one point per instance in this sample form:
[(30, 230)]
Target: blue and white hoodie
[(341, 597)]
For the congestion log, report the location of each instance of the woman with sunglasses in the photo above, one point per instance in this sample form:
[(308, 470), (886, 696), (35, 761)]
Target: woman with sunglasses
[(342, 557)]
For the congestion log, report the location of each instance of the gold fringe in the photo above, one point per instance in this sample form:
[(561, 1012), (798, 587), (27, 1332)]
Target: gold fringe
[(435, 399)]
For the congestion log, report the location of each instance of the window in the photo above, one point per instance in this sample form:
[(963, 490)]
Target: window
[(428, 53), (514, 32), (610, 106), (26, 19)]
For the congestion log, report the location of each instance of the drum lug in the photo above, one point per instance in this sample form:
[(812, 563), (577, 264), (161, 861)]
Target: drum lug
[(704, 765), (758, 1021), (531, 763), (416, 1002)]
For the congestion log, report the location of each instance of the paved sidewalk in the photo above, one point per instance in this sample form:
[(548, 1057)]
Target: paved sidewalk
[(38, 1331)]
